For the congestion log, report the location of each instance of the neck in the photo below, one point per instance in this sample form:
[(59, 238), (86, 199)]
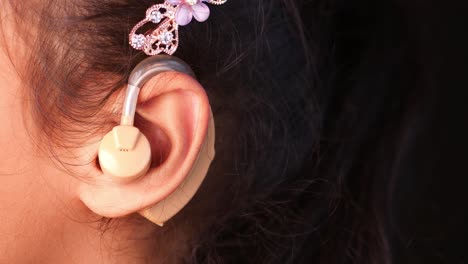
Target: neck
[(130, 240)]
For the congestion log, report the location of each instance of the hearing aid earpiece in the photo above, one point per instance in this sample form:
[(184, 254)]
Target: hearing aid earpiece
[(125, 153)]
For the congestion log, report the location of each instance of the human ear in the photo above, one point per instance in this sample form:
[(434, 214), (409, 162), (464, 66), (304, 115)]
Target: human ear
[(173, 112)]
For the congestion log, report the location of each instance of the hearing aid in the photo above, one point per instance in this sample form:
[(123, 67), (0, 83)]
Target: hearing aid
[(125, 153)]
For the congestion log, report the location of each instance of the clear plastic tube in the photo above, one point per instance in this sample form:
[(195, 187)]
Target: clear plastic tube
[(142, 73)]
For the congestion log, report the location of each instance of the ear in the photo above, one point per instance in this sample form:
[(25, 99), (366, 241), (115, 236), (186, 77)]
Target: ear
[(173, 112)]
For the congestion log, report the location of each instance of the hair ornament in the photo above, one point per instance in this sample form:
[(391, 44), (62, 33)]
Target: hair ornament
[(167, 17)]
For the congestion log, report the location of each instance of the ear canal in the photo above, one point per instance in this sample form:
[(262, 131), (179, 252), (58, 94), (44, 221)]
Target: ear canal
[(171, 205)]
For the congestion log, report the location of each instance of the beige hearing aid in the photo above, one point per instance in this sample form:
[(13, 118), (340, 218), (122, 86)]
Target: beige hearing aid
[(171, 205), (125, 153)]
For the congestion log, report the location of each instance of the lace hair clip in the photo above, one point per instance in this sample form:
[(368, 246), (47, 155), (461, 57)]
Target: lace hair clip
[(167, 17)]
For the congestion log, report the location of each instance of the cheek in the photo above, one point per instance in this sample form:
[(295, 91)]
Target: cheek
[(33, 192), (14, 140), (15, 184), (30, 216), (24, 209)]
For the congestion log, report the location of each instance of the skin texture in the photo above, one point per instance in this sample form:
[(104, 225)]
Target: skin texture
[(32, 199), (51, 213)]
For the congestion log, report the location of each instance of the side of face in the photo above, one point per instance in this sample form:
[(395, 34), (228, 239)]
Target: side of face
[(48, 203), (47, 207), (29, 183)]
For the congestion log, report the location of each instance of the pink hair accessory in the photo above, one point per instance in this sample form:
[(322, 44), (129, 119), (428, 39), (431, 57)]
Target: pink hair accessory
[(167, 17)]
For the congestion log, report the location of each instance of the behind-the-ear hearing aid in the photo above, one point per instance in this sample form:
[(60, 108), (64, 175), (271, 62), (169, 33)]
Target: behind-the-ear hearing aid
[(125, 153)]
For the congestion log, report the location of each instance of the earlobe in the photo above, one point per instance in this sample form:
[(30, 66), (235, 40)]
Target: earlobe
[(174, 114)]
